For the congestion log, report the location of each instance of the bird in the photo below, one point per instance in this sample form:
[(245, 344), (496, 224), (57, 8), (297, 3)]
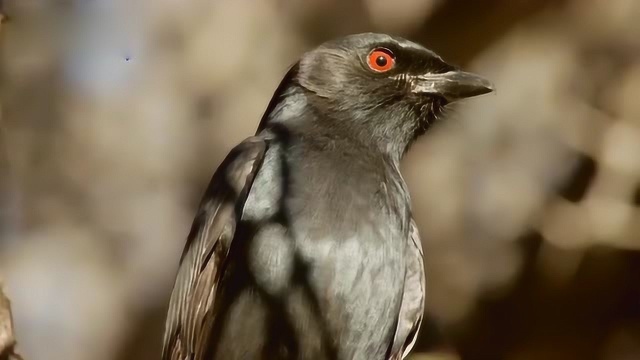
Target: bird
[(304, 245)]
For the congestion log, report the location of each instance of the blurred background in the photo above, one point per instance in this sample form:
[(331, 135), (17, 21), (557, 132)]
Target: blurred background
[(115, 113)]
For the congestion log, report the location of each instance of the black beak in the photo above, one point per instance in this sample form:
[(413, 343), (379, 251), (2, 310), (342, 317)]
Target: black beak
[(452, 85)]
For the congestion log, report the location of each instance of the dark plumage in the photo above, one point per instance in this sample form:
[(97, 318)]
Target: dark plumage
[(304, 246)]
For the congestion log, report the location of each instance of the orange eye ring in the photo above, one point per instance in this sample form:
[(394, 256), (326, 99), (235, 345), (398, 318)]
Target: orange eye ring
[(381, 60)]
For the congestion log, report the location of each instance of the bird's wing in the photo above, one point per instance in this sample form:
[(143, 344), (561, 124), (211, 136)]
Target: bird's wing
[(412, 308), (191, 304)]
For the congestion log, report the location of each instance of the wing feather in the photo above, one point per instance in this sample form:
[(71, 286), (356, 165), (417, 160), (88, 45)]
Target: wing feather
[(412, 308), (191, 304)]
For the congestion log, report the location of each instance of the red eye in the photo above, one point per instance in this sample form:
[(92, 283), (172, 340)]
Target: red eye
[(381, 60)]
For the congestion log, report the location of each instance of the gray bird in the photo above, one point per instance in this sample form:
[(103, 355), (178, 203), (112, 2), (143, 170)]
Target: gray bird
[(303, 246)]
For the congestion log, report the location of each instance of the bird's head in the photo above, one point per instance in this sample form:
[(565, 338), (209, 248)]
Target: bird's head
[(382, 88)]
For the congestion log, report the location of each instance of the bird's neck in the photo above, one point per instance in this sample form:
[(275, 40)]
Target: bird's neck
[(304, 116)]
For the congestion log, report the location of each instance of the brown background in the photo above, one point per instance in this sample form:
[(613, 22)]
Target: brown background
[(115, 113)]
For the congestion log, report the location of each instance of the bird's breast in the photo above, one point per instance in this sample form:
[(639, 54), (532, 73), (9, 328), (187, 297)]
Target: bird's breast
[(330, 237)]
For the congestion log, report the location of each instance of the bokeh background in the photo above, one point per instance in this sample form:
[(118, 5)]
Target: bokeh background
[(114, 114)]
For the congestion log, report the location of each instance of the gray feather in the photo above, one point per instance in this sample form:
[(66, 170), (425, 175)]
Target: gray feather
[(192, 299), (304, 246)]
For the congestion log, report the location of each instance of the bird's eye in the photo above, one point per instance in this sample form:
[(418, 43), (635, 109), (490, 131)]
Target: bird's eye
[(381, 60)]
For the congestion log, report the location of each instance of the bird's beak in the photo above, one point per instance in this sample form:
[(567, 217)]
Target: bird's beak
[(452, 85)]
